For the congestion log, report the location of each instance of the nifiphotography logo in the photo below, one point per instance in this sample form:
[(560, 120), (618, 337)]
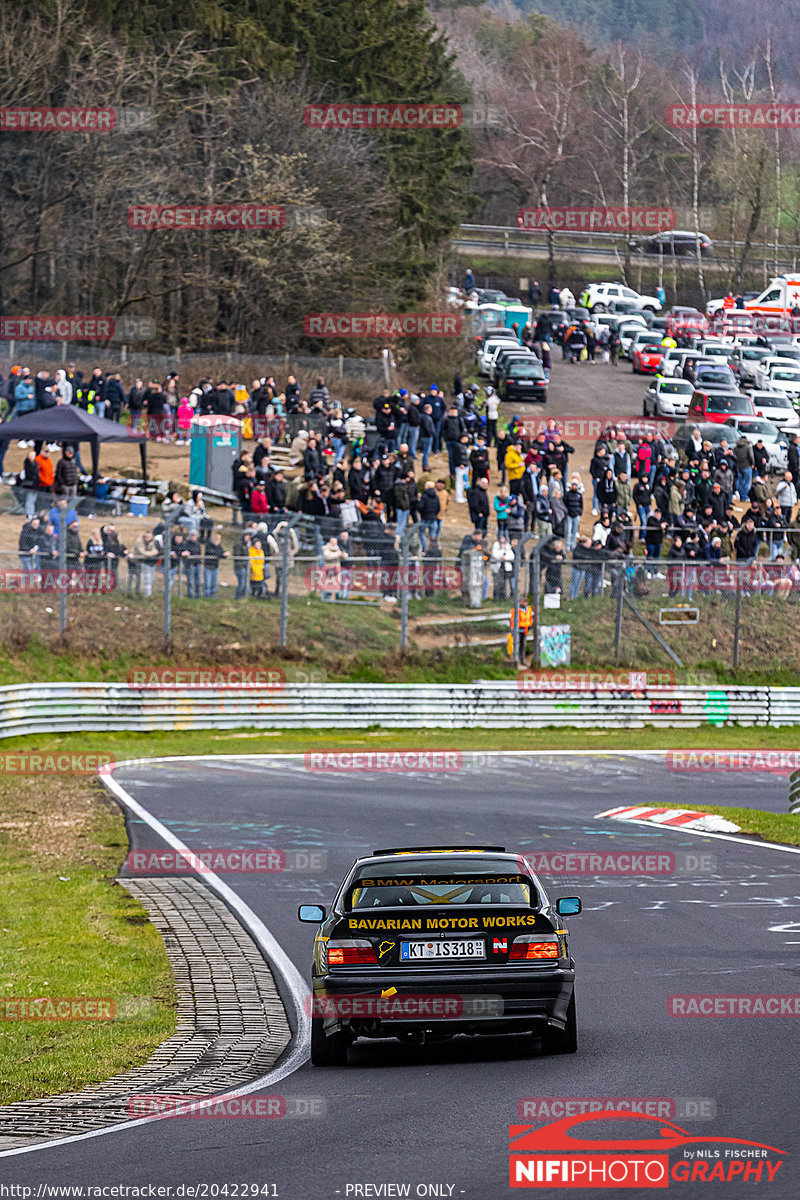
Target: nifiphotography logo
[(565, 1154)]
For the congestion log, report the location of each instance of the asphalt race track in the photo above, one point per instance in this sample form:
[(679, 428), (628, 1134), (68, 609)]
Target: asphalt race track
[(439, 1115)]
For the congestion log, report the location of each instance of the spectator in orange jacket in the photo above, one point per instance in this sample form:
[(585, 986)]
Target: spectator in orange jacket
[(47, 471)]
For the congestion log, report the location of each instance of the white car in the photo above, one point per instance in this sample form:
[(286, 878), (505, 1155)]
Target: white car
[(627, 333), (599, 296), (776, 407), (713, 349), (489, 349), (775, 440), (667, 398), (782, 376), (745, 362)]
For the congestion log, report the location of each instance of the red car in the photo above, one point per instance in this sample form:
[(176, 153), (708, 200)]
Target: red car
[(647, 359)]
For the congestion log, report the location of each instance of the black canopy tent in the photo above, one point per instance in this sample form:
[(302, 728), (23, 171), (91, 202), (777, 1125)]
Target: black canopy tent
[(66, 423)]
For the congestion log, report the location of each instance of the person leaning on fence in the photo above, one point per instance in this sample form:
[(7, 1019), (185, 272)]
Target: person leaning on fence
[(256, 559), (29, 543), (281, 534), (212, 558), (429, 508), (501, 566), (241, 563), (28, 482), (145, 557)]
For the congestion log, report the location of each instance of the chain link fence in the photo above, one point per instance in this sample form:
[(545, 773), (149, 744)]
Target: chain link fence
[(312, 592)]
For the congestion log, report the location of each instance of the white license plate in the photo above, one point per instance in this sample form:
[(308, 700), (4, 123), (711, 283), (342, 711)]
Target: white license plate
[(461, 949), (525, 382)]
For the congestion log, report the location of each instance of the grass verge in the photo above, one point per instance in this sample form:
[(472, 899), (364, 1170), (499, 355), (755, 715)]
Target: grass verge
[(67, 930)]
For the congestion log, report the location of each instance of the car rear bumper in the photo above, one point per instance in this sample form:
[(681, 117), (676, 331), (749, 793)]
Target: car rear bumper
[(500, 1000), (519, 395)]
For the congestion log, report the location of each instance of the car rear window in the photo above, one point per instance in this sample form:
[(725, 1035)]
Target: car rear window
[(421, 891), (729, 404)]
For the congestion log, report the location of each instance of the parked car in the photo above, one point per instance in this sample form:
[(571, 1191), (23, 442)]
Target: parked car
[(684, 322), (715, 378), (627, 332), (782, 376), (745, 361), (715, 407), (599, 296), (776, 407), (667, 398), (647, 358), (523, 379), (487, 350), (507, 356), (775, 440), (675, 360), (679, 242)]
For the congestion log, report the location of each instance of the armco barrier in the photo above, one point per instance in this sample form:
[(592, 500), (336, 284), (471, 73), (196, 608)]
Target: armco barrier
[(66, 707)]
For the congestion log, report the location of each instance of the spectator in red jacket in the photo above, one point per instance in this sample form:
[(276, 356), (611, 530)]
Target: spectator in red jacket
[(258, 499)]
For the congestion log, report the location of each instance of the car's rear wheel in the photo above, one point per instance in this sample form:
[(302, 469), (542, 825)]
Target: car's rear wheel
[(649, 308), (599, 308), (645, 413), (563, 1041), (327, 1050)]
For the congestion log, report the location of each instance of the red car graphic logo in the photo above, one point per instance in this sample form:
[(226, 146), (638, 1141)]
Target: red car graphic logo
[(556, 1136)]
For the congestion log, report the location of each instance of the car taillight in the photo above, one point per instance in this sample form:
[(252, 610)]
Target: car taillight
[(353, 953), (530, 948)]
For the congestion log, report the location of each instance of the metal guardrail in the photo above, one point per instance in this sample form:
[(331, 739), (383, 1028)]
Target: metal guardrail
[(794, 792), (602, 246), (66, 707)]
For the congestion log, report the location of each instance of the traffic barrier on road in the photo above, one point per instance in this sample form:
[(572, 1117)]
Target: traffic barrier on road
[(67, 707)]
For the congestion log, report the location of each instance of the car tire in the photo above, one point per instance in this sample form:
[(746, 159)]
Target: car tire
[(327, 1050), (599, 308), (563, 1041), (645, 413), (649, 308)]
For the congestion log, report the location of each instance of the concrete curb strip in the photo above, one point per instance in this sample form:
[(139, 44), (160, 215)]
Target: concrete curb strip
[(231, 1028)]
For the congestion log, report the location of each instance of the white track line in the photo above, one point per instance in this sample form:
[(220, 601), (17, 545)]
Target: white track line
[(277, 957)]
